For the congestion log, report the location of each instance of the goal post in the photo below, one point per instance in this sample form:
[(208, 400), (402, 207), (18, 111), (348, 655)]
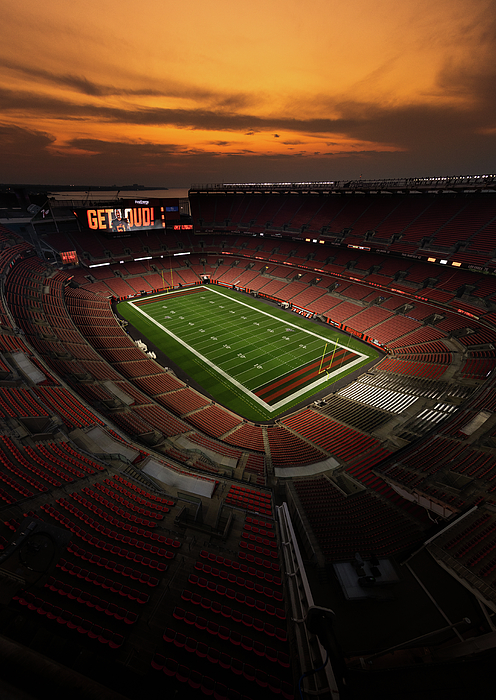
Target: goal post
[(326, 369), (332, 356)]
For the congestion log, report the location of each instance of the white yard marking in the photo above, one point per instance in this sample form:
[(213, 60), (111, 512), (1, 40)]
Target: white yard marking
[(325, 377)]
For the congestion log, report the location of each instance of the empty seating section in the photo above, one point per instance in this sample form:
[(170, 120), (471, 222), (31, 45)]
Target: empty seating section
[(250, 499), (424, 334), (248, 436), (255, 464), (452, 322), (214, 420), (433, 348), (231, 615), (158, 384), (412, 369), (271, 288), (72, 412), (214, 446), (343, 525), (323, 305), (369, 318), (392, 302), (477, 367), (377, 396), (394, 328), (343, 311), (21, 402), (438, 358), (308, 296), (291, 290), (182, 401), (438, 471), (481, 337), (359, 416), (161, 419), (131, 424), (112, 565), (472, 544), (288, 449), (337, 439), (355, 291)]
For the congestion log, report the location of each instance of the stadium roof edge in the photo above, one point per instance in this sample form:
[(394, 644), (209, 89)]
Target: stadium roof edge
[(422, 184)]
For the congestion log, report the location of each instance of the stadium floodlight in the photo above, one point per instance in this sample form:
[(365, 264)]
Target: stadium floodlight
[(188, 253), (149, 257), (99, 264)]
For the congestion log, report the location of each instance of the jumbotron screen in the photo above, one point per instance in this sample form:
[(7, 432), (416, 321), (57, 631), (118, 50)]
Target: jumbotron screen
[(130, 215), (69, 257)]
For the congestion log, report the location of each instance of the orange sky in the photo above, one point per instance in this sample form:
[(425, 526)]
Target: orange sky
[(170, 94)]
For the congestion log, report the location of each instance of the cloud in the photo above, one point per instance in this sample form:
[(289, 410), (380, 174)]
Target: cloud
[(77, 83), (16, 142), (38, 104), (418, 127), (175, 165), (166, 88), (448, 128)]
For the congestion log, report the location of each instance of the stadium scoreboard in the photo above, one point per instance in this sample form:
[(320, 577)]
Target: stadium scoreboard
[(130, 216), (69, 257)]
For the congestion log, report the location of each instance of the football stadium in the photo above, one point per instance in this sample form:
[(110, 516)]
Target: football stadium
[(248, 440)]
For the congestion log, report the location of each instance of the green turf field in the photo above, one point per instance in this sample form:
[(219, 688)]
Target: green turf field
[(253, 358)]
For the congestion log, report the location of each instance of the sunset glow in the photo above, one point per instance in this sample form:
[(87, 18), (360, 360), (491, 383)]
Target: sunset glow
[(164, 93)]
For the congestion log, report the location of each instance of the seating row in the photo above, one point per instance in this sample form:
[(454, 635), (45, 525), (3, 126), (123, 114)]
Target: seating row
[(252, 537), (48, 467), (84, 598), (252, 559), (137, 499), (68, 453), (111, 565), (219, 690), (213, 656), (231, 594), (72, 621), (108, 546), (233, 636), (11, 483), (116, 509), (126, 527), (240, 618), (258, 549), (202, 650), (123, 501), (142, 492), (100, 580), (236, 566), (258, 530)]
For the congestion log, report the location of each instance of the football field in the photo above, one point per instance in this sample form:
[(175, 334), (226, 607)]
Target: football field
[(251, 357)]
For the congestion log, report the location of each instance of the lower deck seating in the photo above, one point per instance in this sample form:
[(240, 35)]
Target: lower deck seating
[(337, 439)]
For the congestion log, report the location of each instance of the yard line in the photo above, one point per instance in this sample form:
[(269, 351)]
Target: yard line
[(304, 346)]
